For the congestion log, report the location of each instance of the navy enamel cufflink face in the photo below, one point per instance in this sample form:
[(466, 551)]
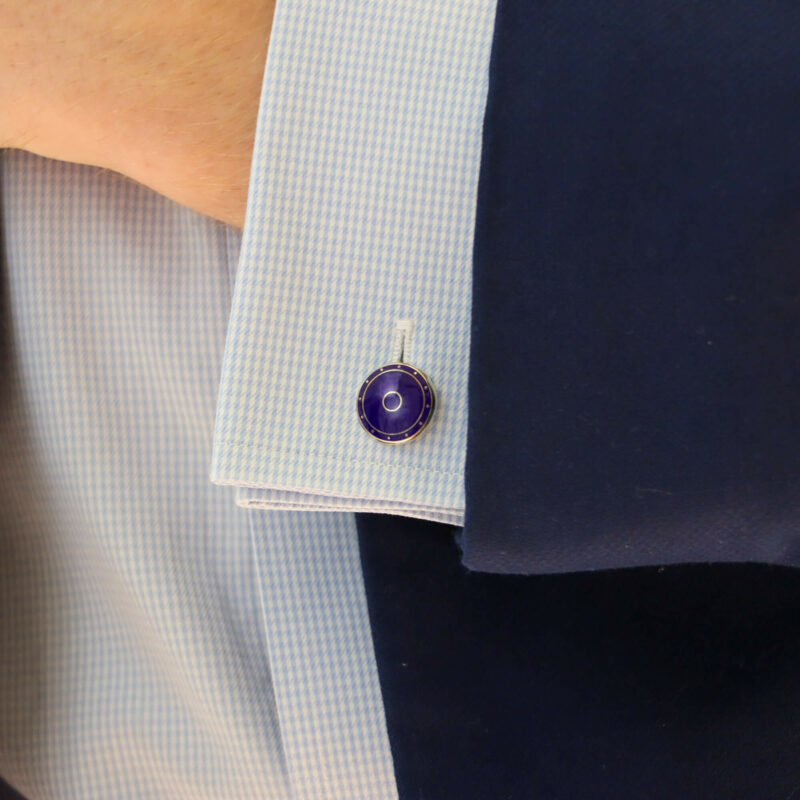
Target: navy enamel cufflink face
[(395, 403)]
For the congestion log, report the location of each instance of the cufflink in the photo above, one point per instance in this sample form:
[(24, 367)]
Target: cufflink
[(395, 403)]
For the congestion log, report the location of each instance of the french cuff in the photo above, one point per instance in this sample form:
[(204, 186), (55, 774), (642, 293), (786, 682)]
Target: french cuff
[(360, 213)]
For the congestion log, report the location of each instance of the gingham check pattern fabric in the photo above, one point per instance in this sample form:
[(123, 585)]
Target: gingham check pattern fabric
[(326, 685), (133, 654), (361, 214), (141, 607), (156, 640)]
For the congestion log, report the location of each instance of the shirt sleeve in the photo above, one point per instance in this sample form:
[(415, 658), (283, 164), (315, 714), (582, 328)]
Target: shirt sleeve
[(359, 223)]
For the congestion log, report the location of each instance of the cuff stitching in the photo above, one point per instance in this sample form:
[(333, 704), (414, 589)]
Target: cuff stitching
[(317, 453)]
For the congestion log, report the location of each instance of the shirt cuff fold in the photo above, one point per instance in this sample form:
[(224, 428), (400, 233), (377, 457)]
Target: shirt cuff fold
[(360, 213)]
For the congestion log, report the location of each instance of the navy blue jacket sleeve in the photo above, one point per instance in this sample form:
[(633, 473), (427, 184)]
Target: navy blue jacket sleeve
[(634, 401), (635, 364)]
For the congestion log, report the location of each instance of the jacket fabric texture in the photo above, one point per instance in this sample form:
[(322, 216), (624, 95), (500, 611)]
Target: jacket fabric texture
[(619, 616)]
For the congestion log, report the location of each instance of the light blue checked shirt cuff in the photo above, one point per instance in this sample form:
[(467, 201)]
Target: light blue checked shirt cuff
[(360, 213)]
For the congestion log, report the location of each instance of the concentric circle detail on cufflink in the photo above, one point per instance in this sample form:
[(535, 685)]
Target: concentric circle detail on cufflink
[(395, 403)]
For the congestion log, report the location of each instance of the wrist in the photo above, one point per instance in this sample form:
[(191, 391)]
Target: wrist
[(171, 103)]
